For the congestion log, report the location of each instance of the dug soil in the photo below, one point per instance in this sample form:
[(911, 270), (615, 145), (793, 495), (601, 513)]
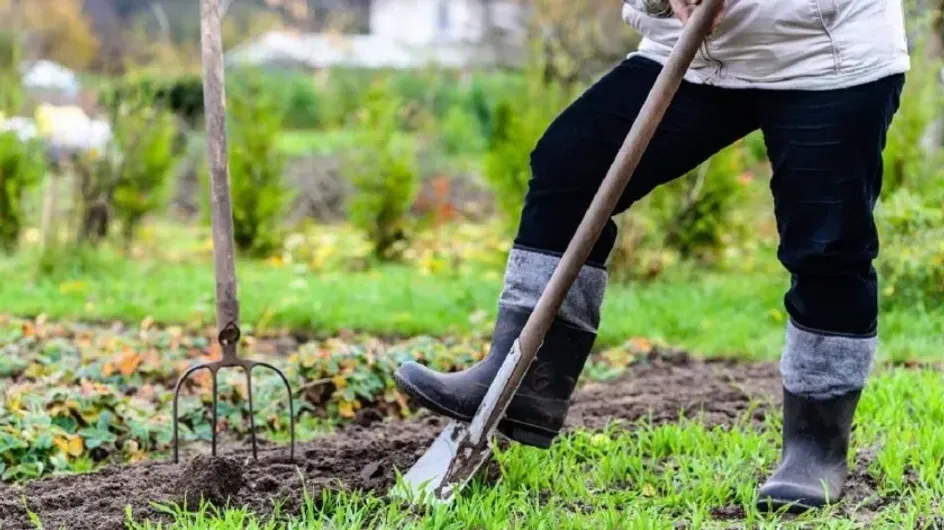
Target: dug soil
[(365, 455)]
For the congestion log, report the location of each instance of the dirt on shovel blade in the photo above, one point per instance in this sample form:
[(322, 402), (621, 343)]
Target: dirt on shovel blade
[(364, 455)]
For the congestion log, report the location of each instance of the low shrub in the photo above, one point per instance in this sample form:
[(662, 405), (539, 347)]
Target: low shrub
[(384, 174), (518, 120), (687, 219), (130, 178), (22, 166), (911, 262), (258, 191)]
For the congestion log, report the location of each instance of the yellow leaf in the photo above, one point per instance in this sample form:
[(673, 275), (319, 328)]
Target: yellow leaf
[(62, 443), (338, 381), (648, 490), (346, 409), (76, 446)]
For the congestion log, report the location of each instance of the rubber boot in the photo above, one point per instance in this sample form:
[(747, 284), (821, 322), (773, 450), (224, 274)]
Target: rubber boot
[(537, 412), (813, 465)]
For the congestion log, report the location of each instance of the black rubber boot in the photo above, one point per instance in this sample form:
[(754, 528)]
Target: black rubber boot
[(813, 466), (537, 412)]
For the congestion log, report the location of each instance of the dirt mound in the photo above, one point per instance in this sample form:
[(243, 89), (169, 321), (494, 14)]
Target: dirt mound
[(214, 479), (365, 455)]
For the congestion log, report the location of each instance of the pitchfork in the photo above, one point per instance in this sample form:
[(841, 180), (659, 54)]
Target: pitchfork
[(227, 307)]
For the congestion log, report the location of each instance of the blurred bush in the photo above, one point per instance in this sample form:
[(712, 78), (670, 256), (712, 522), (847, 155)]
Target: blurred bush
[(909, 214), (519, 119), (129, 178), (22, 166), (182, 95), (911, 262), (384, 174), (258, 190)]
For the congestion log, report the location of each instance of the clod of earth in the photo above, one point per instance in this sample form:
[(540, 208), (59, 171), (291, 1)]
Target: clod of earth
[(217, 480), (365, 457)]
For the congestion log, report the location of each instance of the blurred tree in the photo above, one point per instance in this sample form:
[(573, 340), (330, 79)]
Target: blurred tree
[(58, 30), (581, 38)]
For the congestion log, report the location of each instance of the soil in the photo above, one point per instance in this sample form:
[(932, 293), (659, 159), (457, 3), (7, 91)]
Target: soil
[(365, 454)]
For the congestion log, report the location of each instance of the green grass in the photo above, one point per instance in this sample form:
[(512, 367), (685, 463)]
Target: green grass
[(324, 142), (655, 477), (303, 142), (709, 313)]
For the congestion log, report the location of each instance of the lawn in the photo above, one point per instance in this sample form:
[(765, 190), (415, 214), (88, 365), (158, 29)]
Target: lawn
[(732, 313)]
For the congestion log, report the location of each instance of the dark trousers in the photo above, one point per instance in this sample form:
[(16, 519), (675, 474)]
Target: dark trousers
[(825, 148)]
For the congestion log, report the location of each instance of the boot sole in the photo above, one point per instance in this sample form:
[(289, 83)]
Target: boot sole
[(522, 433), (771, 505)]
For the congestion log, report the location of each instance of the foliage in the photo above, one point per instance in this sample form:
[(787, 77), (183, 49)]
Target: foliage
[(460, 132), (384, 174), (687, 219), (305, 104), (580, 38), (455, 248), (519, 119), (911, 263), (698, 224), (60, 31), (906, 163), (75, 397), (258, 192), (129, 179), (22, 166), (11, 89), (182, 95), (145, 135)]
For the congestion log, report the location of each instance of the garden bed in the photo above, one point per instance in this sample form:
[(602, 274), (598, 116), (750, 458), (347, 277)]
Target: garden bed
[(364, 455)]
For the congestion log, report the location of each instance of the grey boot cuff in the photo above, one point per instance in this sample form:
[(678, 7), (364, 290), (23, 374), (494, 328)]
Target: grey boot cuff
[(820, 366), (528, 272)]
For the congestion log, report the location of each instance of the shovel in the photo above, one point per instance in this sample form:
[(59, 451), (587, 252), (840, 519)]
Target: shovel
[(460, 450)]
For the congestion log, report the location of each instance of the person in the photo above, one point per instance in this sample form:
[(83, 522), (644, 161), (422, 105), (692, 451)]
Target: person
[(822, 80)]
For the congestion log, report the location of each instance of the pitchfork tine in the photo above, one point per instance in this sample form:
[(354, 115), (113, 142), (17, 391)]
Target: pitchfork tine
[(252, 421), (215, 399), (291, 404), (180, 383)]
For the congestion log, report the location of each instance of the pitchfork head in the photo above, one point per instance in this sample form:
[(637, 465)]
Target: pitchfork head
[(229, 340)]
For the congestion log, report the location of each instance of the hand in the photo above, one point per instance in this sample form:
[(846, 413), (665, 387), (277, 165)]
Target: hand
[(683, 10)]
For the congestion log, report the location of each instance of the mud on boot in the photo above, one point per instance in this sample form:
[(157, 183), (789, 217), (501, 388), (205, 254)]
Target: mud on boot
[(537, 412), (813, 466)]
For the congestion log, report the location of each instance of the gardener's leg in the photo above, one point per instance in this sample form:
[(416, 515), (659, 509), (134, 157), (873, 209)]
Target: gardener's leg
[(826, 153), (568, 164)]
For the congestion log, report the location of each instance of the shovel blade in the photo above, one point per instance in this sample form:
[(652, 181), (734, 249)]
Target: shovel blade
[(449, 463), (460, 449)]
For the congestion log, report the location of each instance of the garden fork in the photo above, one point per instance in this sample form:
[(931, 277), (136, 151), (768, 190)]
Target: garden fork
[(227, 307)]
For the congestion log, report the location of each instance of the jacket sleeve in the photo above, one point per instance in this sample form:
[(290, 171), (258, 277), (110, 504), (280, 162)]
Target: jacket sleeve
[(653, 8)]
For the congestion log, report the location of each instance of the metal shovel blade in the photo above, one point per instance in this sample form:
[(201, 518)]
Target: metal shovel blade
[(460, 450), (439, 473)]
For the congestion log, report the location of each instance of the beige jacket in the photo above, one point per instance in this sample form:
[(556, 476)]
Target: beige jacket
[(787, 44)]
